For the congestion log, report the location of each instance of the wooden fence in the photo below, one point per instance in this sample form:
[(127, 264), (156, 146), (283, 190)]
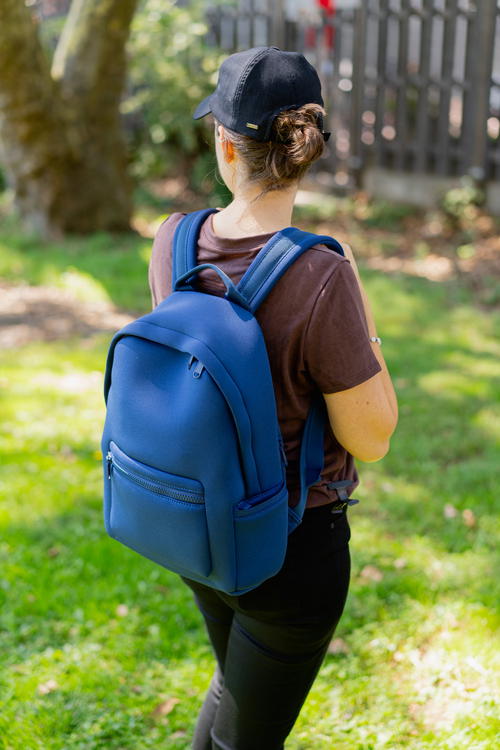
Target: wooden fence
[(410, 85)]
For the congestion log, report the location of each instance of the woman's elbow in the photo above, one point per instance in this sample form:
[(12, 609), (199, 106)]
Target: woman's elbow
[(373, 445), (372, 453), (362, 423)]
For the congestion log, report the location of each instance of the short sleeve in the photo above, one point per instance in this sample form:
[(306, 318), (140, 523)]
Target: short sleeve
[(337, 350), (160, 264)]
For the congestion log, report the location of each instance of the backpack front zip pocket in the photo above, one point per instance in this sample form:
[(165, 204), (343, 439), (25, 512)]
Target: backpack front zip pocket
[(158, 514), (161, 488)]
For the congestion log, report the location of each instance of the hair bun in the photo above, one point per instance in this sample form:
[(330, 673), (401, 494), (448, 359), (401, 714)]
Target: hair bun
[(299, 133), (296, 142)]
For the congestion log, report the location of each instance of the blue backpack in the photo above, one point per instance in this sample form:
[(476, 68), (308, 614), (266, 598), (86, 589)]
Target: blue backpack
[(194, 464)]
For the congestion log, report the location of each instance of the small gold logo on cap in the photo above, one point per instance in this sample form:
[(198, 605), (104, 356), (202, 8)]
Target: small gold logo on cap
[(251, 125)]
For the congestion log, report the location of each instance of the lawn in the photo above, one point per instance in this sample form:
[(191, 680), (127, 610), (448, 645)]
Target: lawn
[(100, 648)]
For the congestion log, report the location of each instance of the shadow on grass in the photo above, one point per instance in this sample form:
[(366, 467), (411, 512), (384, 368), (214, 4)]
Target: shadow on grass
[(63, 573)]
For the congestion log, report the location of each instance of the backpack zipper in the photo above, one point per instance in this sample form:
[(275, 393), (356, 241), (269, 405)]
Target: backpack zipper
[(160, 488)]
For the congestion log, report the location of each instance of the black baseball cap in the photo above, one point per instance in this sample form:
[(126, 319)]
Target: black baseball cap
[(256, 85)]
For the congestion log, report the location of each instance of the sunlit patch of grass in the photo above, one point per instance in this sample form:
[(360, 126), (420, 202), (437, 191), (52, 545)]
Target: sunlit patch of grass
[(99, 266), (82, 285), (488, 420)]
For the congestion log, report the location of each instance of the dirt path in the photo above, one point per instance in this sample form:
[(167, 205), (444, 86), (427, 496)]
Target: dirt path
[(42, 313)]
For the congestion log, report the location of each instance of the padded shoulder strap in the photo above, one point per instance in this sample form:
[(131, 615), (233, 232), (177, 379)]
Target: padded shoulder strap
[(276, 256), (186, 241)]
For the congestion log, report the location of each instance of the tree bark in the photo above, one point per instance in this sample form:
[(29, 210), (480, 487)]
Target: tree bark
[(63, 146)]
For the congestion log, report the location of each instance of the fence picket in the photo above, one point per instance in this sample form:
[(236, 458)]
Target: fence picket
[(409, 84)]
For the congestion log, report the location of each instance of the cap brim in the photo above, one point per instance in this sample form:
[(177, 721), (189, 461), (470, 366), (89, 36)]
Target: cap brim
[(203, 108)]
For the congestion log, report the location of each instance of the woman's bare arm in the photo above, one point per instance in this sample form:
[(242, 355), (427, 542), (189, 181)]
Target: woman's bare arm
[(363, 418)]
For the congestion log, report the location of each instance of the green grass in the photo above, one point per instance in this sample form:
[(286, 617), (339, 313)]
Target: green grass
[(93, 638), (103, 266)]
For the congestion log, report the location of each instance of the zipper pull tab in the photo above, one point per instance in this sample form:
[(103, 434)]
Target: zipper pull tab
[(197, 372), (109, 459)]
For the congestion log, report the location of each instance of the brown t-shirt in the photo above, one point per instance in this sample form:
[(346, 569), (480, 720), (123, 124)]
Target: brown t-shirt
[(314, 326)]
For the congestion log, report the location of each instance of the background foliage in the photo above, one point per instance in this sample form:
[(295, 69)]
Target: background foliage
[(171, 71)]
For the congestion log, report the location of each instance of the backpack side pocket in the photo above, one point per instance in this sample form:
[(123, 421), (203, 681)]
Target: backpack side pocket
[(261, 537)]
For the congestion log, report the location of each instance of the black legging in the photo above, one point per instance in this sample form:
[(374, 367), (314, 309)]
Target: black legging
[(270, 642)]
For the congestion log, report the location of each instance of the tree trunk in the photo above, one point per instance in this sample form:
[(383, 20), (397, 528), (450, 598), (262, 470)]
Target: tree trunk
[(63, 146)]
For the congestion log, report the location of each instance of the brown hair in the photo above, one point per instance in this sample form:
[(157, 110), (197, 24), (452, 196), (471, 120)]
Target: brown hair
[(296, 142)]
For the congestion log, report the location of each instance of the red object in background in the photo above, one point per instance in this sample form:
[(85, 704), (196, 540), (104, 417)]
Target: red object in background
[(328, 6), (329, 36), (310, 40)]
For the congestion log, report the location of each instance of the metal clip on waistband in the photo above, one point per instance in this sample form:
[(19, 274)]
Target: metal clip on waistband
[(343, 498)]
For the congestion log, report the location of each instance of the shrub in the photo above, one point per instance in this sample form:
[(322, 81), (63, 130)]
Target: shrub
[(460, 202), (171, 69)]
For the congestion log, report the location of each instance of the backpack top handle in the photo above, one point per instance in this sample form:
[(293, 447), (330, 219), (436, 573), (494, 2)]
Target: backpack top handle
[(184, 283)]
